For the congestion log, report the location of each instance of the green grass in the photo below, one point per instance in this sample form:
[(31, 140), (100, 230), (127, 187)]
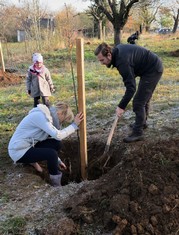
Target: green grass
[(13, 226), (104, 87)]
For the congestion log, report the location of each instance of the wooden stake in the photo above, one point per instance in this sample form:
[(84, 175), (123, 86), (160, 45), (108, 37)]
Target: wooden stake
[(82, 105), (2, 58)]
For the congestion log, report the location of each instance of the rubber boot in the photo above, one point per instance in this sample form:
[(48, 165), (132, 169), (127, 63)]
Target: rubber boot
[(56, 180)]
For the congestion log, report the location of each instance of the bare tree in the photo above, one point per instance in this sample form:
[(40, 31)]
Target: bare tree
[(147, 11), (8, 22), (98, 16), (165, 17), (34, 14), (174, 6), (117, 12), (171, 9)]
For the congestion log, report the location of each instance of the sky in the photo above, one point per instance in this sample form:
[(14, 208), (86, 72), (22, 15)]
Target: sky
[(56, 5)]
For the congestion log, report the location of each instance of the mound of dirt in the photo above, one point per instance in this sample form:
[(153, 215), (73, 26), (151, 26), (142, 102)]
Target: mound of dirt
[(9, 77), (137, 195), (140, 195)]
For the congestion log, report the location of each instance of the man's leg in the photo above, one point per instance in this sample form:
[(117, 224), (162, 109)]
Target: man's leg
[(141, 104)]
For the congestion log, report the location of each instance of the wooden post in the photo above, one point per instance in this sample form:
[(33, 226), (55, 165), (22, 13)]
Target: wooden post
[(82, 105), (2, 58)]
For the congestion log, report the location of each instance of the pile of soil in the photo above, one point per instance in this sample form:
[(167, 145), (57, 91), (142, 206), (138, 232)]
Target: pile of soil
[(140, 195), (10, 77)]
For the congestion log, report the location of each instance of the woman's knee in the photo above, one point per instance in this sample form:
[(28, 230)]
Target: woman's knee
[(57, 144)]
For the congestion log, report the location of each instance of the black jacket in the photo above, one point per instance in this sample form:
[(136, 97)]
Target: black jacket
[(132, 61)]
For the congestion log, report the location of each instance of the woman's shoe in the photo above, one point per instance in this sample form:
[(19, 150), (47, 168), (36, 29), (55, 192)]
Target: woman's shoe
[(56, 180)]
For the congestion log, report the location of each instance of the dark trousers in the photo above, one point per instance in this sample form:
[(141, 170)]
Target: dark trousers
[(45, 100), (141, 101), (46, 150)]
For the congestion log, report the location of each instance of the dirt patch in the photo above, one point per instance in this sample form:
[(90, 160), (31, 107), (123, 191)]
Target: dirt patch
[(175, 53), (136, 191), (10, 77), (137, 196)]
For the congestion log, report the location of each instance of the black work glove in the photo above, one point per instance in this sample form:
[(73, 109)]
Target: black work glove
[(29, 92)]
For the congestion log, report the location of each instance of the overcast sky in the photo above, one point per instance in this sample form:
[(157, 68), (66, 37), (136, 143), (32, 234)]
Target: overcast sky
[(55, 5)]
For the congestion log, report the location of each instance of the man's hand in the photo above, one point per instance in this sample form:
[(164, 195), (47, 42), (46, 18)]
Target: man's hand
[(119, 111)]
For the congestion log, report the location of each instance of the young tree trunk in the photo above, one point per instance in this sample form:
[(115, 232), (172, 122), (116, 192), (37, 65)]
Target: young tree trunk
[(117, 35), (147, 28), (176, 19), (100, 30)]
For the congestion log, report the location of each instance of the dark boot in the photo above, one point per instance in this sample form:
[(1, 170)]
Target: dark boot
[(145, 126), (133, 138), (56, 180)]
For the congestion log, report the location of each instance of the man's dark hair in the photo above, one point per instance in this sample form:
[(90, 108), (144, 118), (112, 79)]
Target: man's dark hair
[(104, 48)]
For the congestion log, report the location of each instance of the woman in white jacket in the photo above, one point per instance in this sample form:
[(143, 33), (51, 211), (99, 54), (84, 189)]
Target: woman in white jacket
[(30, 142)]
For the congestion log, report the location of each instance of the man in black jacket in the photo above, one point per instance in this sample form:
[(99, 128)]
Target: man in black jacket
[(133, 37), (132, 61)]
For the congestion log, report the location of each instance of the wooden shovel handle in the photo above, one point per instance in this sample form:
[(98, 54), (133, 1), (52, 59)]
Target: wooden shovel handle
[(111, 134)]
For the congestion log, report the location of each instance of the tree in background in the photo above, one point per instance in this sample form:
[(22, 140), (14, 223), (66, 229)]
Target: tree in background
[(9, 22), (165, 17), (169, 14), (133, 24), (117, 12), (98, 17), (176, 19), (34, 13), (70, 24), (146, 12), (173, 5)]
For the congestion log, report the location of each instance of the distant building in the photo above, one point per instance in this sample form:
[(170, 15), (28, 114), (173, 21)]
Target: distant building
[(20, 35), (44, 23)]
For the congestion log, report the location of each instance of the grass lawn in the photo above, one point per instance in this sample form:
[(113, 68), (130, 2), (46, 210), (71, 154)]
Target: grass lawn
[(104, 87)]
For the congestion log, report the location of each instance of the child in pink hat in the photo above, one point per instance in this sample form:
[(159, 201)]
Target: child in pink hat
[(38, 82)]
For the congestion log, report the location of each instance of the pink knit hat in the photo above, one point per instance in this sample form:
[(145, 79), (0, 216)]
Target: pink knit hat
[(37, 57)]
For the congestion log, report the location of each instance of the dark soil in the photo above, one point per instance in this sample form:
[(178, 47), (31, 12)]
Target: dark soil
[(133, 190), (9, 77), (138, 195)]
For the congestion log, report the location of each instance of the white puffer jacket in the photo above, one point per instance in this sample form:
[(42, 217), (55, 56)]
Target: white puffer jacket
[(36, 126)]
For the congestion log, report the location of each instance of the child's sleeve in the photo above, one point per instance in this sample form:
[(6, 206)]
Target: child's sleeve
[(49, 80), (28, 80)]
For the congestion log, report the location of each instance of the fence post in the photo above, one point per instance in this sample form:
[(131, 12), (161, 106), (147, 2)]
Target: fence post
[(2, 58), (82, 105)]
